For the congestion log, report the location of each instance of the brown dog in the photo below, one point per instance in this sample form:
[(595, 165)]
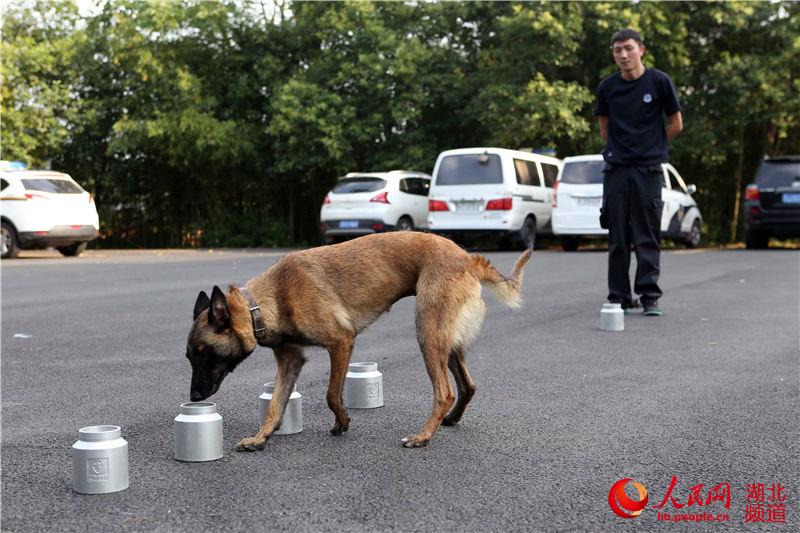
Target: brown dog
[(326, 296)]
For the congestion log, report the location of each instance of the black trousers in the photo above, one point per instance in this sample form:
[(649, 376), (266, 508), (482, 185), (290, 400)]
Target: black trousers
[(632, 209)]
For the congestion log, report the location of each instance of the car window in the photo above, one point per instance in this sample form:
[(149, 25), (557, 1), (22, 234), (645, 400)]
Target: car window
[(421, 186), (406, 185), (550, 172), (418, 186), (778, 173), (425, 186), (533, 170), (677, 181), (3, 184), (674, 183), (358, 184), (524, 175), (470, 169), (583, 172), (527, 173), (51, 185)]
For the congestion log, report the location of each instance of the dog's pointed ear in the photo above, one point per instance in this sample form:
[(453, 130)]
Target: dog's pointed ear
[(218, 314), (201, 304)]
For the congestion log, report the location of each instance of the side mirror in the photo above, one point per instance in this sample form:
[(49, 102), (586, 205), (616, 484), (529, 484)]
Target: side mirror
[(691, 189)]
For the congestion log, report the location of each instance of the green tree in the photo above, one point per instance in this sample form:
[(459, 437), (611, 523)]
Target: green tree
[(36, 73), (224, 123)]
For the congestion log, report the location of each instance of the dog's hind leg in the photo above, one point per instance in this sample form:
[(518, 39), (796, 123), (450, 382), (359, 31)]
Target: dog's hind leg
[(290, 361), (436, 362), (340, 352), (464, 384)]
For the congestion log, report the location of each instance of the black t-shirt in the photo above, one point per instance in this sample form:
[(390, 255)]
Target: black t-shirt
[(635, 111)]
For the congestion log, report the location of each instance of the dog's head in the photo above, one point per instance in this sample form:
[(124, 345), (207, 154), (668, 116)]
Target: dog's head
[(215, 347)]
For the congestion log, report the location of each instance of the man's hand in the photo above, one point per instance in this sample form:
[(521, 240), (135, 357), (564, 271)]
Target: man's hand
[(604, 127), (674, 126)]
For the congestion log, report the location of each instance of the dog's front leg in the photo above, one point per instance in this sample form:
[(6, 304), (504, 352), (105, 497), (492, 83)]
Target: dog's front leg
[(340, 352), (290, 361)]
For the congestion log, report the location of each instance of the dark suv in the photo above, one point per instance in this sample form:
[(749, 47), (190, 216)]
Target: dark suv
[(772, 203)]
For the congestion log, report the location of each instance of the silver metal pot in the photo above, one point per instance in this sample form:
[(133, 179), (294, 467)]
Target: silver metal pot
[(100, 460), (198, 432), (363, 386), (293, 415)]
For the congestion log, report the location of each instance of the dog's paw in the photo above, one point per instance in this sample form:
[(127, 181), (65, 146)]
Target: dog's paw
[(251, 444), (339, 427), (450, 420), (415, 441)]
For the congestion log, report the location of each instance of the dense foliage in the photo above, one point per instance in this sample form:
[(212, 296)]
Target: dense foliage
[(224, 123)]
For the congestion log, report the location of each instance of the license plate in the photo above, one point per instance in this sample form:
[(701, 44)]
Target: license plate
[(590, 202), (468, 207), (348, 224), (791, 197)]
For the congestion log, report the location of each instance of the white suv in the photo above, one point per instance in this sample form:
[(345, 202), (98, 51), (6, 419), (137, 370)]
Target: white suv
[(41, 208), (372, 202), (492, 191), (579, 195)]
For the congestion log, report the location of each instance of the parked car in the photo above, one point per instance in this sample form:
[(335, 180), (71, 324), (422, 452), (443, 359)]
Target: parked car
[(362, 203), (772, 201), (579, 195), (41, 208), (506, 194)]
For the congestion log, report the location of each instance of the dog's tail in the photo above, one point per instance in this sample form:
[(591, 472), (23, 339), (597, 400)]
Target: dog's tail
[(506, 289)]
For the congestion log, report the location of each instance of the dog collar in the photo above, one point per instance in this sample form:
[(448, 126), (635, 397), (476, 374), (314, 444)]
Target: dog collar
[(259, 329)]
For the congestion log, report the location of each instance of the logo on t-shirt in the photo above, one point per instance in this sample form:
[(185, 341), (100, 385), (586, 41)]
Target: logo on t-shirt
[(647, 98)]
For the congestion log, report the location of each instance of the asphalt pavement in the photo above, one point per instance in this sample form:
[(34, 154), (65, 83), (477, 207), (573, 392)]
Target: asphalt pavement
[(706, 395)]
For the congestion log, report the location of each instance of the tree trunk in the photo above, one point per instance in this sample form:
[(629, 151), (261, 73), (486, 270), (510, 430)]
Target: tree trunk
[(737, 202)]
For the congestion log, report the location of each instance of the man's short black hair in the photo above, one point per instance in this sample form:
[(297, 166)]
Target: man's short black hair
[(624, 35)]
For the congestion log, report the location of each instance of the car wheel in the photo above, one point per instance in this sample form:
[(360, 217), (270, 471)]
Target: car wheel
[(695, 234), (756, 240), (404, 224), (570, 244), (10, 245), (527, 235), (73, 250)]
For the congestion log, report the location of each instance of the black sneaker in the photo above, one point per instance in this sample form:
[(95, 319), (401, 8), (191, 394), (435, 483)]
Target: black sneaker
[(631, 307), (651, 307), (628, 306)]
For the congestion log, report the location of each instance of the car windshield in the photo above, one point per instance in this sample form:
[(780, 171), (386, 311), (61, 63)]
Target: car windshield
[(359, 184), (583, 172), (51, 185), (778, 173), (470, 169)]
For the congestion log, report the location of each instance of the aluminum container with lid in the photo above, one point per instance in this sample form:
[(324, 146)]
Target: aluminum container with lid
[(100, 460), (363, 386), (198, 432), (612, 317), (293, 415)]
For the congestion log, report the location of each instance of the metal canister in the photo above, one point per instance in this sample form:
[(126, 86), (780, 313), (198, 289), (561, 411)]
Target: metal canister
[(292, 421), (363, 386), (198, 432), (612, 317), (100, 460)]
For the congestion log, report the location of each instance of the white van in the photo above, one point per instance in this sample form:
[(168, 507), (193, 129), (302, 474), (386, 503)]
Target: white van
[(494, 191), (579, 195)]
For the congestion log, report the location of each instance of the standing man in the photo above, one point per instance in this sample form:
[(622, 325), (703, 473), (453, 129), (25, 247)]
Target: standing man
[(631, 106)]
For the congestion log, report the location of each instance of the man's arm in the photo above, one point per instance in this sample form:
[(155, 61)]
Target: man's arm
[(674, 126), (604, 127)]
